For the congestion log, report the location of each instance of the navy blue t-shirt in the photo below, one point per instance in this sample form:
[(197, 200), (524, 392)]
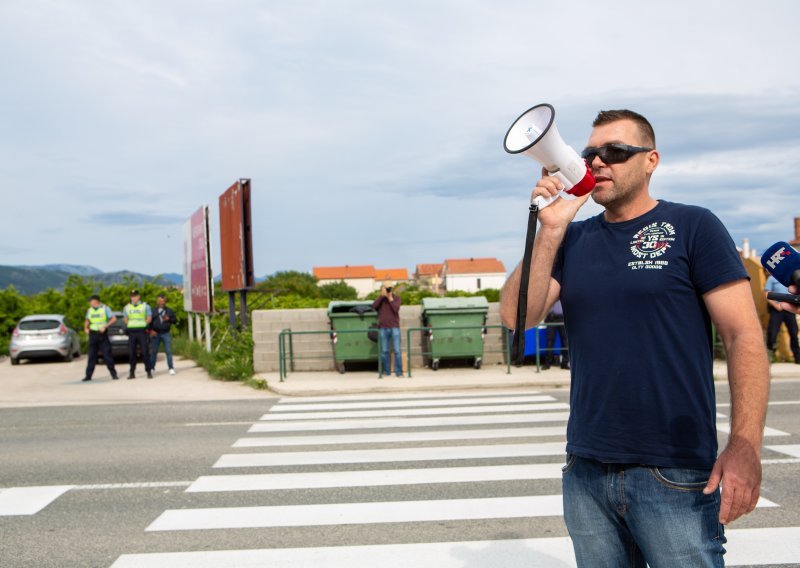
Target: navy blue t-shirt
[(640, 336)]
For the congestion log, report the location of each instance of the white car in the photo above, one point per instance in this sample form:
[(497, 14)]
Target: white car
[(44, 335)]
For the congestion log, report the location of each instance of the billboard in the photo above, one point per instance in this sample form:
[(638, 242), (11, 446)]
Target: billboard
[(198, 291), (236, 246)]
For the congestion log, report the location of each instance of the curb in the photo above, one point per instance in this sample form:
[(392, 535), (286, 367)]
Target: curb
[(282, 391)]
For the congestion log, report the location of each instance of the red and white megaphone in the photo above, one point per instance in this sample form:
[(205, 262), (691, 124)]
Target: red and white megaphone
[(535, 134)]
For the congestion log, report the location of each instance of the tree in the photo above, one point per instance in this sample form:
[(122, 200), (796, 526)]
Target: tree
[(340, 290), (291, 282), (12, 309)]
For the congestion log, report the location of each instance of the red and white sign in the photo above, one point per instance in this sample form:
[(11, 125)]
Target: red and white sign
[(198, 292)]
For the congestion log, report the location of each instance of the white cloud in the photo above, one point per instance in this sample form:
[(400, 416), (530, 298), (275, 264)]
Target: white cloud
[(372, 131)]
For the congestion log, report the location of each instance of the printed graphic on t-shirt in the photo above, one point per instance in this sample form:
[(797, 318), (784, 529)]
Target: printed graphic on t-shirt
[(650, 243)]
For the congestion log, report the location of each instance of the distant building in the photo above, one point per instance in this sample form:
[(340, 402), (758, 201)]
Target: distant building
[(429, 277), (396, 275), (473, 274), (365, 279), (362, 278)]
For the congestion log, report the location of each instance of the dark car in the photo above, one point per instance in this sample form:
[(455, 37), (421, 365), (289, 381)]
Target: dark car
[(118, 337)]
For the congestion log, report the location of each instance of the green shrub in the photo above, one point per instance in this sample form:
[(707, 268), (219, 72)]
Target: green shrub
[(231, 355), (73, 301), (338, 291), (291, 283)]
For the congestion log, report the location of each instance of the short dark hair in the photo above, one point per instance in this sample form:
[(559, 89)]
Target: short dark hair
[(162, 296), (94, 297), (645, 128)]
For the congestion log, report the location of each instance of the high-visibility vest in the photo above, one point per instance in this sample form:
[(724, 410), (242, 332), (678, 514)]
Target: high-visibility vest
[(137, 315), (97, 318)]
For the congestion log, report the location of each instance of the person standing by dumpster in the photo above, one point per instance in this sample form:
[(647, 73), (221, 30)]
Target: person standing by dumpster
[(98, 318), (138, 316), (160, 327), (778, 316), (388, 308)]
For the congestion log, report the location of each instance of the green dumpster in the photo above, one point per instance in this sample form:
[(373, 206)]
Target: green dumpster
[(346, 316), (469, 314)]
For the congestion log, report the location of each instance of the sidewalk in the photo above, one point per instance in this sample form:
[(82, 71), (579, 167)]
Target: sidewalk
[(423, 380), (59, 384)]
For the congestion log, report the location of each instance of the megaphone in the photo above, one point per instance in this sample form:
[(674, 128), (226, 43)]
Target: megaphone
[(535, 135)]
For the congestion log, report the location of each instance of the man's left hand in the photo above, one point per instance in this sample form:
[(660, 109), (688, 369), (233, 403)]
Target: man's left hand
[(738, 468)]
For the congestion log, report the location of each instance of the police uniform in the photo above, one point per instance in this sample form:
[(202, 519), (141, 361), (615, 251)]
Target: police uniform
[(137, 315), (98, 341)]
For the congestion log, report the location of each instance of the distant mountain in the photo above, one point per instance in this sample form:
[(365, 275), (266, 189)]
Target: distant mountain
[(29, 280), (35, 279), (127, 275), (173, 278), (68, 268)]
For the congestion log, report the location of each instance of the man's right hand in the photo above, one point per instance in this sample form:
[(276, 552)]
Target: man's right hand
[(561, 212), (786, 306)]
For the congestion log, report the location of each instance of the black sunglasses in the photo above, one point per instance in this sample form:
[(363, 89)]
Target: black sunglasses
[(612, 153)]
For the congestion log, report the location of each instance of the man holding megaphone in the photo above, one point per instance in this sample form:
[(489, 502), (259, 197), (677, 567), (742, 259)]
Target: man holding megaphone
[(640, 286)]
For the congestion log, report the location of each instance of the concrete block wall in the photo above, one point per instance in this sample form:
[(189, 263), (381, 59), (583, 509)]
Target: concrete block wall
[(267, 325), (494, 344)]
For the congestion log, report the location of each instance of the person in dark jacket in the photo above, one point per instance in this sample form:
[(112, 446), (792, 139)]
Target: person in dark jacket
[(388, 307), (160, 326)]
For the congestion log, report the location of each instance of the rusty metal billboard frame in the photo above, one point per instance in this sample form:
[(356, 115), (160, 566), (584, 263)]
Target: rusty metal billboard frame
[(236, 246)]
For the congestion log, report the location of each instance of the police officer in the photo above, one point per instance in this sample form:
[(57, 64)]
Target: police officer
[(137, 317), (98, 318)]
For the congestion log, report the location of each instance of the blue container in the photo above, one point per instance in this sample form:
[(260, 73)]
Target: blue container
[(532, 345)]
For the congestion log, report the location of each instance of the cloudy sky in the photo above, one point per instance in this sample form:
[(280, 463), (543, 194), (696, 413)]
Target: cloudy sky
[(372, 131)]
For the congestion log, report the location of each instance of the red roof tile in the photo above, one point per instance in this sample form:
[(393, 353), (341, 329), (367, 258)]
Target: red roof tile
[(473, 266), (391, 274), (343, 272), (429, 269)]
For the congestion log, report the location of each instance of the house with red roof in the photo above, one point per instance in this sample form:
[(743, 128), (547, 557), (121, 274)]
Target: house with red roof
[(362, 278), (473, 274), (429, 277), (365, 278)]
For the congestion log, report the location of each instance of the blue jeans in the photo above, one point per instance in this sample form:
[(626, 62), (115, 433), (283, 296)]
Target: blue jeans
[(632, 516), (390, 336), (155, 343)]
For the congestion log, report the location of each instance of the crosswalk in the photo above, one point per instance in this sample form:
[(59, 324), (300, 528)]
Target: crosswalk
[(445, 462)]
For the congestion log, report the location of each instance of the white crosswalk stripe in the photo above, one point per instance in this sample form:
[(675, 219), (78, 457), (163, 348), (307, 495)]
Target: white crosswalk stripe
[(323, 445), (747, 547), (533, 407), (788, 449), (409, 403), (359, 513), (768, 432), (444, 396), (29, 500), (392, 455), (400, 437), (374, 477), (323, 425)]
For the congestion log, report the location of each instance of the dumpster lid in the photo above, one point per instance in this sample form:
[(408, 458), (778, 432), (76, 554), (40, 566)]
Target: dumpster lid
[(338, 307), (472, 303)]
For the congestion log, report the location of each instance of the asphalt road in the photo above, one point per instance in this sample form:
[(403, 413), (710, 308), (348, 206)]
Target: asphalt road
[(129, 468)]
